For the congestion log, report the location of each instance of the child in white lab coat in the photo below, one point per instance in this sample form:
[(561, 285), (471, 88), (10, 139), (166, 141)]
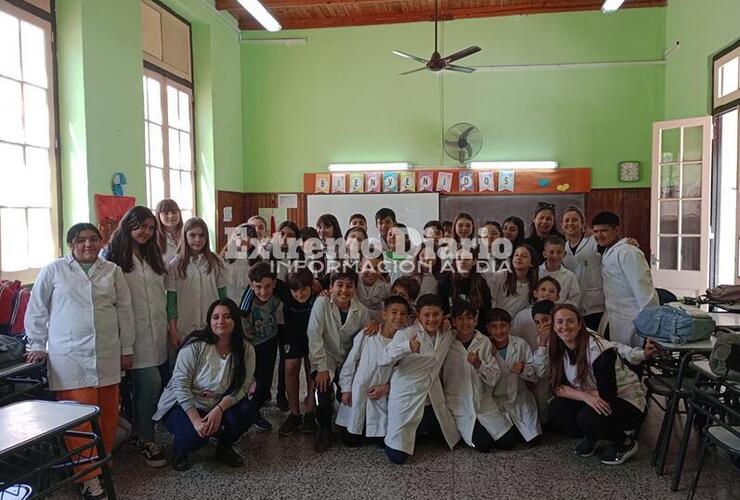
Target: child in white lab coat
[(518, 366), (408, 288), (523, 325), (364, 409), (169, 228), (416, 402), (468, 376), (511, 289), (570, 290), (373, 286)]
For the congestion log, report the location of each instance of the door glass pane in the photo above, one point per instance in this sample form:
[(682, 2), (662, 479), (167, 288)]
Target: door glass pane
[(37, 190), (13, 239), (692, 143), (157, 178), (36, 114), (668, 256), (154, 100), (691, 217), (40, 242), (33, 48), (670, 142), (691, 187), (174, 145), (186, 159), (175, 192), (10, 55), (690, 254), (728, 80), (727, 207), (184, 111), (12, 175), (156, 153), (669, 181), (187, 189), (668, 217), (173, 117), (11, 111)]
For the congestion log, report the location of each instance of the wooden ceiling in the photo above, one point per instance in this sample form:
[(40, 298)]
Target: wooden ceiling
[(302, 14)]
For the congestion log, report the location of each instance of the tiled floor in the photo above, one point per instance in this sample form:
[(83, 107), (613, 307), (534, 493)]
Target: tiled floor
[(287, 467)]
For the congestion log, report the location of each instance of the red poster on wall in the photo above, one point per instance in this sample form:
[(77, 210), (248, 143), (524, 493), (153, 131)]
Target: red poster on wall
[(109, 211)]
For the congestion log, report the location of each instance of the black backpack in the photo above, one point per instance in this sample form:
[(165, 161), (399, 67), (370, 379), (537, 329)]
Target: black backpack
[(12, 350)]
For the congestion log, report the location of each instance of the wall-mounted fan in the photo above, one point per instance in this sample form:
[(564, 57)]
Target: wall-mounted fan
[(462, 141), (437, 62)]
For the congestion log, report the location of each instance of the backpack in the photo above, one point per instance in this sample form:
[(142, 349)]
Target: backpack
[(12, 350), (13, 302), (725, 357), (723, 294), (676, 323)]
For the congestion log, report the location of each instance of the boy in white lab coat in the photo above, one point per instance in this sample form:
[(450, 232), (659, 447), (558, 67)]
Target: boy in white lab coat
[(408, 288), (416, 402), (628, 284), (518, 366), (570, 290), (364, 409), (523, 325), (469, 375), (373, 286)]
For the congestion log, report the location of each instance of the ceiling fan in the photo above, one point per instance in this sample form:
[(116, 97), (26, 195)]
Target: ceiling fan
[(437, 62)]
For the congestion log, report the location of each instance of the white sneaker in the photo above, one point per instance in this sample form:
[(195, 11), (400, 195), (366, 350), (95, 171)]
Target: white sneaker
[(92, 489)]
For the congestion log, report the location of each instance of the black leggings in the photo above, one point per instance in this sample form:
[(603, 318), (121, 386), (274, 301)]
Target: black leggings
[(483, 441), (264, 368), (325, 402), (577, 419)]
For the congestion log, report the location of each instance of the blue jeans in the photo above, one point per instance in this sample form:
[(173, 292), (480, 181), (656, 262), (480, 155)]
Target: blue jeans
[(147, 384), (235, 422)]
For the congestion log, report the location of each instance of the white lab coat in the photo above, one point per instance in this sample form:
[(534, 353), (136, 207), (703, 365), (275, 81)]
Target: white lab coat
[(414, 381), (373, 296), (86, 319), (570, 290), (237, 278), (469, 391), (359, 373), (585, 263), (511, 392), (523, 326), (511, 303), (628, 288), (170, 250), (329, 340), (195, 292), (149, 304)]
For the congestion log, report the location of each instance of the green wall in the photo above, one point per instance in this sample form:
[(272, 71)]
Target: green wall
[(338, 97)]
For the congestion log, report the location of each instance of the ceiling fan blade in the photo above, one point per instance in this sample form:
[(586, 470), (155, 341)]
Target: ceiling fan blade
[(413, 71), (462, 53), (459, 69), (410, 56)]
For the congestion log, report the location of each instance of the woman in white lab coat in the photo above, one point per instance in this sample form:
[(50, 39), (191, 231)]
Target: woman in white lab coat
[(169, 228), (239, 256), (134, 248), (469, 375), (416, 355), (79, 319)]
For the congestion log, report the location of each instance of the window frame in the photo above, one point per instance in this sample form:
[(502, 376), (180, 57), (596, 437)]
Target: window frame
[(46, 21), (731, 100)]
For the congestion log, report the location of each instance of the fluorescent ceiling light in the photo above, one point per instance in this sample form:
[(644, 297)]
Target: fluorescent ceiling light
[(273, 41), (611, 5), (354, 167), (513, 165), (258, 11)]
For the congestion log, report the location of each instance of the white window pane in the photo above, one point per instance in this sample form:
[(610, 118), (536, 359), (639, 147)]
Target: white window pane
[(186, 158), (154, 100), (156, 153), (173, 118), (186, 214), (11, 114), (157, 178), (12, 175), (10, 54), (38, 187), (146, 143), (148, 186), (729, 77), (146, 99), (175, 193), (40, 241), (184, 111), (186, 185), (36, 114), (33, 49), (174, 148), (13, 239)]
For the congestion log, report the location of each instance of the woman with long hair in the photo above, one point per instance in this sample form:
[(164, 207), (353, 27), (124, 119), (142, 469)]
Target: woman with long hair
[(169, 228), (206, 396), (513, 230), (464, 283), (543, 225), (512, 288), (240, 253)]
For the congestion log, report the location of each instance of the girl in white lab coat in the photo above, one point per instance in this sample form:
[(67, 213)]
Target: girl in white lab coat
[(169, 228), (239, 256), (518, 366), (416, 402), (135, 250), (468, 376), (80, 314), (364, 409), (196, 278), (511, 289)]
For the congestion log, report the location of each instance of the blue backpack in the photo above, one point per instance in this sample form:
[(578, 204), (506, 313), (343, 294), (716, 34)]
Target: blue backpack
[(675, 323)]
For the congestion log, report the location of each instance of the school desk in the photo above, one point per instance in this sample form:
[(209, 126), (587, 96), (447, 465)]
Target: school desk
[(20, 381)]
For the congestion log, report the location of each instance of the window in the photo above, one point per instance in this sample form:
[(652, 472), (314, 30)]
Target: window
[(28, 172), (726, 91), (169, 142)]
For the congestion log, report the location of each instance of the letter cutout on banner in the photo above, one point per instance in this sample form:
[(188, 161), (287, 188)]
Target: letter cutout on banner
[(407, 182), (390, 182), (444, 182), (356, 182), (506, 180), (485, 181), (339, 183), (426, 182), (466, 181), (372, 182), (322, 183)]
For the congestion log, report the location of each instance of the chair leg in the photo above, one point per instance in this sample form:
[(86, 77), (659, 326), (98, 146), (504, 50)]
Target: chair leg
[(661, 433), (702, 453), (676, 480), (110, 489), (665, 443)]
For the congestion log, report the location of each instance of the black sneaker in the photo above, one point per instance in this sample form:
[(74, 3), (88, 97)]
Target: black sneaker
[(282, 402), (92, 489), (309, 423), (153, 454), (586, 448), (292, 424), (227, 455), (617, 455), (180, 463), (324, 441), (262, 424)]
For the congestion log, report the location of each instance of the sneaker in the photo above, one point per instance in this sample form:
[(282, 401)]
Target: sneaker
[(180, 463), (586, 448), (292, 424), (262, 424), (617, 455), (92, 489), (282, 402), (309, 423), (153, 454), (227, 455), (324, 441)]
